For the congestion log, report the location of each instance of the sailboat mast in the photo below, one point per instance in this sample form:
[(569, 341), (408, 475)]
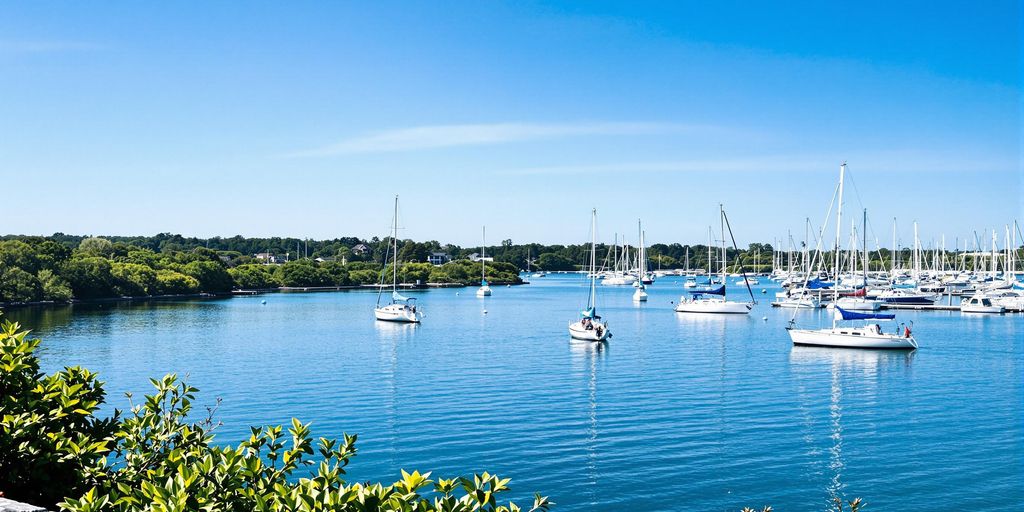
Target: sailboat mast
[(839, 227), (394, 238), (721, 218), (483, 255), (864, 228), (593, 258)]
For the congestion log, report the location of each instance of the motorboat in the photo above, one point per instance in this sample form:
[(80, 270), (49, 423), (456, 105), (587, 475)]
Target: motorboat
[(906, 296), (980, 304)]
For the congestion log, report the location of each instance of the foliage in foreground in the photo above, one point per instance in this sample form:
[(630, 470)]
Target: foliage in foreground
[(54, 450)]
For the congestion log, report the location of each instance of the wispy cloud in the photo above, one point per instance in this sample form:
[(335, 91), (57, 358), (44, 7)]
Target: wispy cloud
[(453, 135), (20, 47), (874, 162)]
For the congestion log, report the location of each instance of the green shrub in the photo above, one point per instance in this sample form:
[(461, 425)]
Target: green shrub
[(49, 438)]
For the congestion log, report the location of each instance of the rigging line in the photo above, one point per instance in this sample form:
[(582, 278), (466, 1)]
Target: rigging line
[(734, 246)]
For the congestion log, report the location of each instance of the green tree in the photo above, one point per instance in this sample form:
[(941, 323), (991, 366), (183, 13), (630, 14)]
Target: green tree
[(54, 286), (169, 282), (302, 273), (95, 246), (253, 277), (212, 276), (133, 279), (17, 285), (15, 253), (551, 261), (90, 277)]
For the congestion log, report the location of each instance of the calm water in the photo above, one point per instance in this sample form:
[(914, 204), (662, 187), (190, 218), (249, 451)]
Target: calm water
[(677, 412)]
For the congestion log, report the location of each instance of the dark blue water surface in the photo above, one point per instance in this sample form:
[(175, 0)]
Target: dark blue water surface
[(676, 412)]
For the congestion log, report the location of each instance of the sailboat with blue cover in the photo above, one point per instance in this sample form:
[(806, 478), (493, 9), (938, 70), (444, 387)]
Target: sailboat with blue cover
[(869, 335), (590, 327), (401, 309), (711, 298)]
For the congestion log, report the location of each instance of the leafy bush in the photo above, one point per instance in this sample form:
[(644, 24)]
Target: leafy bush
[(49, 438)]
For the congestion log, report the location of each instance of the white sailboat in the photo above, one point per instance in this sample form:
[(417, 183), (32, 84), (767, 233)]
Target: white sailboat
[(711, 299), (401, 309), (640, 295), (485, 289), (867, 336), (590, 327)]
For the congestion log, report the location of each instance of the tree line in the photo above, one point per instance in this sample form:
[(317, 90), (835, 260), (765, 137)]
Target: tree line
[(61, 267)]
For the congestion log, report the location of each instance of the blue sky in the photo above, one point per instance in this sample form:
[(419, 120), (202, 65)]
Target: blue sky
[(305, 118)]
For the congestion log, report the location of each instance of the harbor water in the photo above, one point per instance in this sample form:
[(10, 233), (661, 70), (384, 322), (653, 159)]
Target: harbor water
[(676, 412)]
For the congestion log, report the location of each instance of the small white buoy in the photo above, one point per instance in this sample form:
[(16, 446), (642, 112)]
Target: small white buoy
[(456, 293), (764, 318), (763, 290), (485, 311), (508, 286), (264, 302)]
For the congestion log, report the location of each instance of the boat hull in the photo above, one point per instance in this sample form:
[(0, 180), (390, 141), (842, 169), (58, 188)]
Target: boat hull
[(393, 313), (483, 291), (713, 306), (845, 339), (806, 303), (598, 332), (854, 304)]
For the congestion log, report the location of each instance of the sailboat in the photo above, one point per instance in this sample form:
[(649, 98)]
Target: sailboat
[(640, 295), (711, 299), (867, 336), (590, 327), (401, 309), (485, 289)]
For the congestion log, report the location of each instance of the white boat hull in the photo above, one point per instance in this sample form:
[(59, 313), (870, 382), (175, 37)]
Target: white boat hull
[(597, 332), (845, 338), (483, 291), (639, 296), (713, 306), (618, 281), (397, 313), (798, 303), (857, 304), (982, 309)]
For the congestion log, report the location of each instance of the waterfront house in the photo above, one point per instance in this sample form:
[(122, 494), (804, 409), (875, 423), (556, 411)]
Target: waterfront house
[(438, 258), (360, 249), (475, 257)]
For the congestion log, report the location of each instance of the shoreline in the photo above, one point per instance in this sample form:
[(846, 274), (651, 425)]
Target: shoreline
[(237, 293)]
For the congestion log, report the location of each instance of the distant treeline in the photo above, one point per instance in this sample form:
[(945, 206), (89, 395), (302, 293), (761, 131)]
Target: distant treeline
[(62, 267)]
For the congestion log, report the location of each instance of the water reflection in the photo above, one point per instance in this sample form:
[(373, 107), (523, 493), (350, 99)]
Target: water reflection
[(391, 335), (587, 354), (865, 366)]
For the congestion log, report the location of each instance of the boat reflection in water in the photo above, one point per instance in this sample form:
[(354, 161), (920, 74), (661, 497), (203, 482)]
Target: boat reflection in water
[(586, 356), (861, 367)]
